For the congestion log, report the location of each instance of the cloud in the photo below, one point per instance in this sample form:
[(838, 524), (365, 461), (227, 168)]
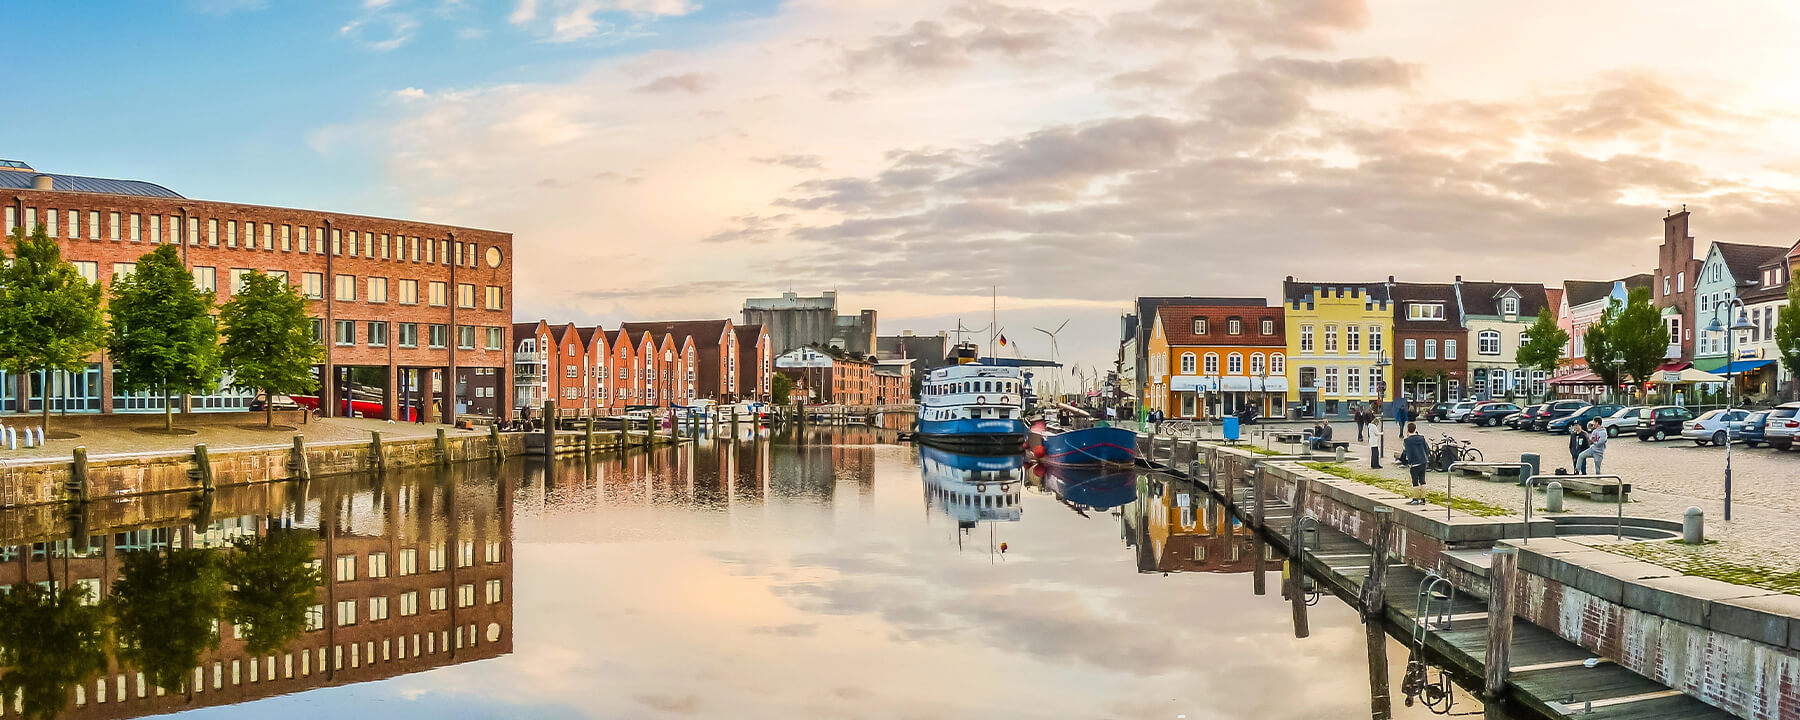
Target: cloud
[(797, 161), (382, 32), (967, 31), (694, 83), (1289, 24), (523, 12), (572, 20), (411, 93)]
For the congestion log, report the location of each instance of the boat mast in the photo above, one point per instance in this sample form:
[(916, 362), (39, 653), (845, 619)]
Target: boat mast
[(993, 316)]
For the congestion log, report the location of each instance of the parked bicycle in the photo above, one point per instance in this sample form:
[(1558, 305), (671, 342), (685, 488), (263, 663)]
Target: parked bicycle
[(1448, 450)]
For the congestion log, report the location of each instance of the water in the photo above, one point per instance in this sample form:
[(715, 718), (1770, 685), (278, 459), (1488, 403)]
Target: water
[(832, 574)]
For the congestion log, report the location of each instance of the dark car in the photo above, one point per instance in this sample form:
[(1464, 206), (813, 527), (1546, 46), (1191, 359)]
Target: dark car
[(1489, 414), (1591, 412), (1524, 418), (1662, 422), (1438, 412), (1557, 410), (1755, 424)]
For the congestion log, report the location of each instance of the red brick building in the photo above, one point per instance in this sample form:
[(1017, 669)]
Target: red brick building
[(756, 362), (591, 371), (410, 313), (830, 376)]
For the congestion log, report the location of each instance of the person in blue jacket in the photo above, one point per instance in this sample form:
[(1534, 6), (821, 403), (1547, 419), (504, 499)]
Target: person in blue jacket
[(1414, 454)]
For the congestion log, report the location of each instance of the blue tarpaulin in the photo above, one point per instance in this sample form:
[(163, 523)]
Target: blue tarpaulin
[(1743, 366)]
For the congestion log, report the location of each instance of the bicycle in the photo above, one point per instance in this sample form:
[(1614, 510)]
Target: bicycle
[(1448, 450)]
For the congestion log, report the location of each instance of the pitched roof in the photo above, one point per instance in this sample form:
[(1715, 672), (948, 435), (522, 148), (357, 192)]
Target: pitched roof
[(747, 334), (706, 333), (1745, 261), (1483, 298), (1553, 298), (1439, 293), (587, 335), (1582, 292), (21, 180), (1178, 324), (1292, 290)]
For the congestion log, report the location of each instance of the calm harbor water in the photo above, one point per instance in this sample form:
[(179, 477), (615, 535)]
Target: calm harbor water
[(829, 574)]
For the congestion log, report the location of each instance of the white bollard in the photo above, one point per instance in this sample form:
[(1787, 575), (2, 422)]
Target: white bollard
[(12, 438), (30, 438)]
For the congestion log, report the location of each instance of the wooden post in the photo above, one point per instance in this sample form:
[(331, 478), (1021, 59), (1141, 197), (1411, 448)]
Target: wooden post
[(1296, 574), (549, 428), (1374, 589), (1503, 578), (1258, 583), (377, 451), (494, 450), (443, 447), (297, 461), (78, 478), (203, 463), (587, 444), (1259, 496), (1381, 705)]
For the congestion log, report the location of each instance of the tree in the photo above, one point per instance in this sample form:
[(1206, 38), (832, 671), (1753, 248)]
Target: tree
[(268, 340), (164, 336), (1543, 346), (1639, 337), (1787, 334), (50, 641), (1602, 356), (165, 606), (50, 315), (273, 583), (779, 388)]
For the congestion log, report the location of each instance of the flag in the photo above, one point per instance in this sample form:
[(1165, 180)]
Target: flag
[(1002, 341)]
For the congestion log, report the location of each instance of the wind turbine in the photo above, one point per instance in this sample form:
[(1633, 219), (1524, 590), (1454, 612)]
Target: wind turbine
[(1055, 351)]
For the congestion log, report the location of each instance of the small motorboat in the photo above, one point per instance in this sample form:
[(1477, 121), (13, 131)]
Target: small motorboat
[(1100, 445)]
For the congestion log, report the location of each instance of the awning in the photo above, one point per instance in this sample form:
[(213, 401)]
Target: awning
[(1192, 383), (1578, 378), (1687, 377), (1744, 366), (1674, 366)]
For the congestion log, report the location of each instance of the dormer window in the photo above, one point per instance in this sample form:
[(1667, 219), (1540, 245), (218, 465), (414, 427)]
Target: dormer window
[(1268, 327), (1234, 326), (1509, 306), (1424, 311), (1199, 326)]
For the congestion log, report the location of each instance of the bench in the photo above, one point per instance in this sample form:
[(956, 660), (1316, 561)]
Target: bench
[(1291, 438), (1496, 474), (1590, 488)]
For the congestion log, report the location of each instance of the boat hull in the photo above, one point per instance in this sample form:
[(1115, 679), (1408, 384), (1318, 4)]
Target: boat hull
[(991, 434), (1098, 446)]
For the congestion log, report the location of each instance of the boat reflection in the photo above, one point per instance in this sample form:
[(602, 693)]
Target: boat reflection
[(972, 488), (173, 602), (1086, 489), (1177, 527)]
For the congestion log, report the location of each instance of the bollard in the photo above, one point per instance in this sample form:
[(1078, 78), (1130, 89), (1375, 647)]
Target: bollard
[(12, 438), (28, 442), (1553, 497), (297, 462), (1340, 452), (1693, 526), (377, 451), (587, 442), (1504, 583), (203, 463), (494, 442), (1531, 469), (78, 476), (443, 448)]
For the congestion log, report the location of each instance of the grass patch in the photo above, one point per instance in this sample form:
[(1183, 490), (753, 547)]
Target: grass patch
[(1434, 497), (1265, 452), (1690, 560)]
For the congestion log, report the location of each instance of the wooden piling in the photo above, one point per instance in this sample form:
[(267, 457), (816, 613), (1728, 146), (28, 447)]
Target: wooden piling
[(377, 452), (1296, 574), (549, 429), (443, 447), (1503, 578), (1257, 582), (203, 463), (1381, 705), (494, 450), (587, 442), (78, 477), (1258, 490), (1374, 589), (298, 465)]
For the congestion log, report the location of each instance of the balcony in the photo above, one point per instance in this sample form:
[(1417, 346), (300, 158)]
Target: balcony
[(532, 358), (1673, 352)]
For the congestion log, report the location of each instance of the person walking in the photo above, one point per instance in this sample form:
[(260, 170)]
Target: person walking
[(1578, 443), (1414, 455), (1360, 417), (1374, 448), (1596, 446)]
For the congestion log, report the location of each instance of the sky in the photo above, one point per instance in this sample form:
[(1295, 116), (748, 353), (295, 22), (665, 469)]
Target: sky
[(665, 159)]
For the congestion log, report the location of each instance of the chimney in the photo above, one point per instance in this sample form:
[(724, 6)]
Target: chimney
[(1459, 279), (1390, 279), (1290, 278), (43, 182)]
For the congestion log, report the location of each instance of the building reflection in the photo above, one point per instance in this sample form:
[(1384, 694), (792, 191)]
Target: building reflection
[(714, 472), (413, 571), (1174, 526), (972, 488)]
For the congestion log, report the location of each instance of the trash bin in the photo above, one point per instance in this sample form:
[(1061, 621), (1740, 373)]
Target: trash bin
[(1231, 428)]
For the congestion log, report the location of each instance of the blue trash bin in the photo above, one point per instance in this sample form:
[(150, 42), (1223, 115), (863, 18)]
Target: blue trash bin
[(1231, 428)]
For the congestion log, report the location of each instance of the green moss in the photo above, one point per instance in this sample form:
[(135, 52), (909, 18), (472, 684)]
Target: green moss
[(1691, 560), (1263, 451), (1434, 497)]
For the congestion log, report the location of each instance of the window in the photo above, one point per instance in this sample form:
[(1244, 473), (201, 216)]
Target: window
[(1187, 363), (409, 603), (465, 595), (312, 285), (337, 242), (496, 339), (1375, 339), (94, 224), (206, 279), (1450, 349), (465, 554), (409, 292), (346, 288), (74, 225), (1509, 307), (1278, 364), (1487, 342), (1665, 285), (1353, 339), (378, 334), (378, 565), (1306, 338), (212, 232), (434, 558), (1234, 364), (1425, 311), (1412, 349), (1268, 327), (1199, 326), (439, 294), (465, 337), (346, 612), (493, 298), (90, 270), (1331, 381), (384, 246), (378, 608), (1234, 326), (1353, 381), (120, 270), (1256, 363), (316, 330), (569, 371), (1331, 337), (346, 568), (409, 561), (134, 236), (1431, 349), (377, 290), (1681, 281), (346, 332), (408, 335), (231, 233), (493, 591), (112, 226), (1212, 364), (439, 598), (437, 336), (315, 617), (465, 295)]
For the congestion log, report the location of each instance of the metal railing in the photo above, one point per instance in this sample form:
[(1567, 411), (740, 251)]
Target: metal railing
[(1524, 476), (1618, 493)]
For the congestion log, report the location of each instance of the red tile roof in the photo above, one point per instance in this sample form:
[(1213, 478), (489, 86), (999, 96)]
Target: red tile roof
[(1178, 325)]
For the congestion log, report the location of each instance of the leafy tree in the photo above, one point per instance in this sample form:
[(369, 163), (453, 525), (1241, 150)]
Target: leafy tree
[(1543, 346), (50, 315), (164, 336), (165, 607), (1639, 337), (268, 340), (273, 583), (779, 388), (50, 641), (1602, 356), (1787, 334)]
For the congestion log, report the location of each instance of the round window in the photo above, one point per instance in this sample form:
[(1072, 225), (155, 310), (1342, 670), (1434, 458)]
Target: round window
[(493, 632), (493, 257)]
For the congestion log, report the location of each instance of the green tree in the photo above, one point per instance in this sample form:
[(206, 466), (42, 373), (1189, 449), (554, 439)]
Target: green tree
[(50, 641), (1639, 337), (1543, 346), (1602, 356), (164, 336), (779, 388), (268, 340), (165, 606), (1787, 334), (273, 583), (50, 315)]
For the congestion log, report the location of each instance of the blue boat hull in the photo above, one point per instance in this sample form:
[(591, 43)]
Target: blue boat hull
[(1091, 446), (992, 434)]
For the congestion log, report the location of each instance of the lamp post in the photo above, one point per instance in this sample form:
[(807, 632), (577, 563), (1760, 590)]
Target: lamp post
[(1381, 365), (1742, 323)]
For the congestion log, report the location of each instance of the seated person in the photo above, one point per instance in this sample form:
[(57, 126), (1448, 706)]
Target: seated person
[(1322, 436)]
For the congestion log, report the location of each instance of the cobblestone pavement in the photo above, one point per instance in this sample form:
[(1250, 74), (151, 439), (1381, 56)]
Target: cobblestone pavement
[(102, 442), (1666, 478)]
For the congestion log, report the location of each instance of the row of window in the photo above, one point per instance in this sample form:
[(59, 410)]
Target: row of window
[(406, 334), (312, 285), (1431, 349), (1234, 364), (438, 599), (137, 227), (1496, 382), (1353, 335), (1233, 326), (408, 560), (958, 387)]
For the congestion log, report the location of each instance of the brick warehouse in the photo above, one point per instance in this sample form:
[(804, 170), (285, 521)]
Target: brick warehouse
[(590, 371), (408, 311)]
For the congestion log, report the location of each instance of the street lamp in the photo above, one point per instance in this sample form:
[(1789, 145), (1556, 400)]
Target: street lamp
[(1381, 365), (1742, 323)]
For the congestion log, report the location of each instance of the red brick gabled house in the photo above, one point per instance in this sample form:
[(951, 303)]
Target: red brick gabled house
[(755, 362), (714, 344), (530, 374)]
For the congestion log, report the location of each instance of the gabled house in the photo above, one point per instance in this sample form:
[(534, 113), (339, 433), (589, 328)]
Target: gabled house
[(1337, 337), (1757, 365), (1216, 360), (530, 363), (1430, 338), (1583, 304), (1496, 315), (1729, 271)]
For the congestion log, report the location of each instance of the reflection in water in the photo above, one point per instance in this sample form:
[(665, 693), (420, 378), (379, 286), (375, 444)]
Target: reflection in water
[(972, 488), (1085, 489), (250, 592), (1177, 527)]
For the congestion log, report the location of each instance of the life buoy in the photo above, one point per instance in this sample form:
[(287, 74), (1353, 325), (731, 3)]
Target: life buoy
[(980, 399)]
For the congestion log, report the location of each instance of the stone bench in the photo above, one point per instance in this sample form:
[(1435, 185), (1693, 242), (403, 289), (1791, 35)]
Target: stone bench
[(1590, 488)]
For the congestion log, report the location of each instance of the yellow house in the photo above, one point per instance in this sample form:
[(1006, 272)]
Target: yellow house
[(1338, 345)]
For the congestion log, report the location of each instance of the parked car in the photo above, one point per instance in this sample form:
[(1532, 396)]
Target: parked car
[(1490, 414), (1591, 412), (1784, 426), (280, 402), (1662, 422), (1625, 421), (1716, 427), (1438, 411), (1752, 433), (1524, 418), (1459, 410), (1556, 410)]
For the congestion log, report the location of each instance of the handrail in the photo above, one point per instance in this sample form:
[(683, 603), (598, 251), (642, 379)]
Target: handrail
[(1524, 478), (1619, 531)]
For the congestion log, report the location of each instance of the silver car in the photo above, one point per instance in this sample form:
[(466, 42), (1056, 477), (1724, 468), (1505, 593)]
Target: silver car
[(1460, 410), (1716, 427), (1623, 422), (1783, 429)]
